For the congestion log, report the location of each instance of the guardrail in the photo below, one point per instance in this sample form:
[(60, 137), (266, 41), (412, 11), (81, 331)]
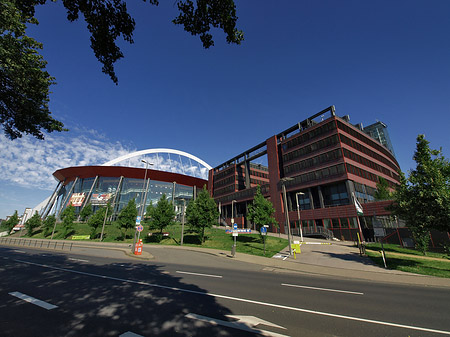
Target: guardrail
[(46, 244)]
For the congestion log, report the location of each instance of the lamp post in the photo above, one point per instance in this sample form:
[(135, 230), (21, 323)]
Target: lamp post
[(142, 200), (286, 212), (232, 212), (182, 221), (143, 187), (298, 210)]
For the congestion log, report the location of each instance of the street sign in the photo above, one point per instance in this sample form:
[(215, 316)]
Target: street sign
[(138, 220), (263, 231), (379, 232), (235, 226), (140, 228)]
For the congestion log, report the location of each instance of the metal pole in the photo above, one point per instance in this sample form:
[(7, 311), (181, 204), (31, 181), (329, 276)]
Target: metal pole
[(287, 218), (298, 211), (182, 221), (104, 222)]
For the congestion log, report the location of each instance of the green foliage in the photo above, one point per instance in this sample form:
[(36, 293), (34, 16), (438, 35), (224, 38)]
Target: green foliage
[(48, 225), (11, 222), (423, 199), (261, 211), (32, 223), (68, 217), (161, 215), (201, 213), (86, 212), (98, 218), (382, 192), (24, 85), (127, 217)]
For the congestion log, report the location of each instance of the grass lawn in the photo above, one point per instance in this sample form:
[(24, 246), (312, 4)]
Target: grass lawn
[(216, 238), (410, 260)]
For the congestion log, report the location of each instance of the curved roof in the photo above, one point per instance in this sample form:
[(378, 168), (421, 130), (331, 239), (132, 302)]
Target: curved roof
[(148, 151), (70, 173)]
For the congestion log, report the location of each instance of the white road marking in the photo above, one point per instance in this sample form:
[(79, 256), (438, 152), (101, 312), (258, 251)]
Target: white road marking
[(273, 305), (18, 251), (254, 321), (33, 300), (234, 325), (197, 274), (79, 260), (130, 334), (323, 289)]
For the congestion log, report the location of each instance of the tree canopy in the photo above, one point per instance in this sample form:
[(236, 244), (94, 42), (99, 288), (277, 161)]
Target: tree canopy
[(24, 82), (382, 192), (32, 223), (423, 199), (161, 215), (202, 213), (261, 211), (127, 217)]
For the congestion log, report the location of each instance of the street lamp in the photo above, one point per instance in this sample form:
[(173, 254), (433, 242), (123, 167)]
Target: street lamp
[(286, 212), (298, 210), (143, 187), (232, 212)]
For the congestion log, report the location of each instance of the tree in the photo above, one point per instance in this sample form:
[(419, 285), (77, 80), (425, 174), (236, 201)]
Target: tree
[(97, 219), (161, 215), (11, 222), (202, 213), (127, 217), (32, 223), (48, 224), (24, 82), (261, 211), (382, 192), (423, 199), (68, 217), (86, 212)]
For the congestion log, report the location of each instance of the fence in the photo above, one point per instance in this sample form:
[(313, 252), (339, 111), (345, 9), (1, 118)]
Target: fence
[(46, 244)]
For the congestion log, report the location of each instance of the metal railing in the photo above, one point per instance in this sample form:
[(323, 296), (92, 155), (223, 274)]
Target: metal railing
[(46, 244), (314, 230)]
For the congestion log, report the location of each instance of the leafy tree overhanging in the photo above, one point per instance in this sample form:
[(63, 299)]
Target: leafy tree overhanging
[(24, 82)]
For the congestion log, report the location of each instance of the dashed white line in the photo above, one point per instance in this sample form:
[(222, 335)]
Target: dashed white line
[(273, 305), (197, 274), (130, 334), (322, 289), (78, 260), (33, 300)]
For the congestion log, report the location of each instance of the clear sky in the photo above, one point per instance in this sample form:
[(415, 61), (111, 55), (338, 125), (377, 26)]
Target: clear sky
[(374, 60)]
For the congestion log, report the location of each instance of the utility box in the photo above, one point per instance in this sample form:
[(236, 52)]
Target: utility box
[(138, 247)]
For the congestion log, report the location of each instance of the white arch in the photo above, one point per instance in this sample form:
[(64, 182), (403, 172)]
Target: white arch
[(148, 151)]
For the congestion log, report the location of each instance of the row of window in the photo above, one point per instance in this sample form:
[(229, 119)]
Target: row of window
[(259, 174), (304, 137), (224, 173), (314, 161), (321, 144), (318, 175), (364, 139), (257, 182), (225, 190), (369, 163), (362, 173), (363, 149), (223, 182)]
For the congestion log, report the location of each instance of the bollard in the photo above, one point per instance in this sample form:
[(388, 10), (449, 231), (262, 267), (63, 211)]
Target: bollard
[(233, 250)]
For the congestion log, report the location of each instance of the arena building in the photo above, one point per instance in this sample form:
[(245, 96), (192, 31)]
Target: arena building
[(119, 180)]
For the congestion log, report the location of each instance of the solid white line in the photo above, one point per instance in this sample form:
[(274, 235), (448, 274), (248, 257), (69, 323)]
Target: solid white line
[(443, 332), (323, 289), (189, 273), (33, 300), (79, 260), (18, 251)]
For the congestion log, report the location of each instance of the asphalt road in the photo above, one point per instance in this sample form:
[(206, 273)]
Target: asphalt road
[(188, 293)]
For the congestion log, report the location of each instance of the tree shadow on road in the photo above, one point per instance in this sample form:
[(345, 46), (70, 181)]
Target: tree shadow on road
[(102, 299)]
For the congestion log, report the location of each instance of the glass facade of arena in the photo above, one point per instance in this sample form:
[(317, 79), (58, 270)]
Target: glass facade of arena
[(119, 191)]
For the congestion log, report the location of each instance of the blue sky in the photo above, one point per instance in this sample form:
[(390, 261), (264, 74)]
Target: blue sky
[(377, 60)]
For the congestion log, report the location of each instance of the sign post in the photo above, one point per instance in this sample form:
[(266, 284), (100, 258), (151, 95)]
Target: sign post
[(138, 222), (235, 234), (380, 232), (264, 234)]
